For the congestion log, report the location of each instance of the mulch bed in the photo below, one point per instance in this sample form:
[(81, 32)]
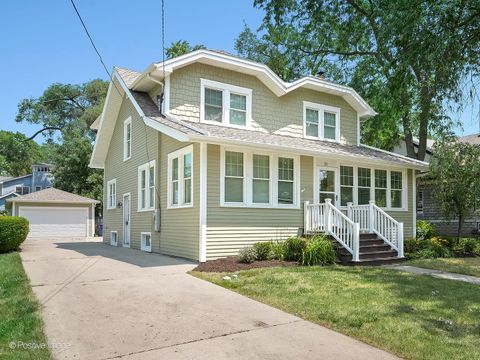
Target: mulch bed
[(231, 264)]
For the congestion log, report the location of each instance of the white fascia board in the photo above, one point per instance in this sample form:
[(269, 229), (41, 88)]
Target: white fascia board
[(421, 165), (222, 141), (167, 130)]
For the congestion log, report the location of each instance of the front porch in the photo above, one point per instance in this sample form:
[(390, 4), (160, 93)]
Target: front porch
[(364, 231)]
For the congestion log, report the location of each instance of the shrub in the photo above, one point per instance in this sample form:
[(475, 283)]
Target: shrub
[(318, 251), (294, 247), (263, 250), (467, 245), (426, 253), (412, 245), (247, 255), (3, 212), (425, 230), (278, 250), (13, 231), (439, 247)]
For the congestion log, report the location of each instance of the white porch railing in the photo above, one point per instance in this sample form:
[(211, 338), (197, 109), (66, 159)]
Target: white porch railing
[(327, 218), (346, 228)]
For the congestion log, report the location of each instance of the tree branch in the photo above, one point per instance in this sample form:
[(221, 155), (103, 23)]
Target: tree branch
[(42, 130), (338, 52)]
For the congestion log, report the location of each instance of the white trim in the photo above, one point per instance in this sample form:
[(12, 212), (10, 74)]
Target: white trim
[(248, 178), (202, 242), (358, 130), (93, 221), (321, 109), (109, 205), (127, 149), (226, 90), (263, 72), (316, 194), (414, 204), (180, 153), (129, 195), (116, 238), (13, 209), (146, 167), (143, 247), (421, 163)]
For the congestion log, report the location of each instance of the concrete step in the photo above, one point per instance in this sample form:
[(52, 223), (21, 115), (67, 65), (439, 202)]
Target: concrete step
[(377, 261)]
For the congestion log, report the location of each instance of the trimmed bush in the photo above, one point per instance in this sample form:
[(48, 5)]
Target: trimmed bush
[(425, 230), (247, 255), (263, 250), (318, 251), (278, 250), (294, 247), (13, 231)]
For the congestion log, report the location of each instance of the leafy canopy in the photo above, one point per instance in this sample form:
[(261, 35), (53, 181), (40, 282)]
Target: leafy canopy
[(455, 175), (408, 58), (181, 47), (17, 155)]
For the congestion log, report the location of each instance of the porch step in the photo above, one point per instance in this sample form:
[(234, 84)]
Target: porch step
[(373, 251)]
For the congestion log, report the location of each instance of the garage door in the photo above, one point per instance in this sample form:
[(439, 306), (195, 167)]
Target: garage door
[(56, 222)]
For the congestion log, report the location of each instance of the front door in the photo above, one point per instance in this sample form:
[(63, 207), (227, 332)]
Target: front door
[(327, 184), (126, 220)]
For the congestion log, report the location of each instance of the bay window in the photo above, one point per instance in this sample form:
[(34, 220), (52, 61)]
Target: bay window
[(180, 175), (225, 104), (251, 178), (321, 121)]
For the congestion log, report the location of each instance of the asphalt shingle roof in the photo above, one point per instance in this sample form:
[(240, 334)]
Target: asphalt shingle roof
[(365, 153), (53, 195), (471, 139), (128, 75)]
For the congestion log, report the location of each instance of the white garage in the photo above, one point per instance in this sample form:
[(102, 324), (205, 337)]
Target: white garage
[(54, 213)]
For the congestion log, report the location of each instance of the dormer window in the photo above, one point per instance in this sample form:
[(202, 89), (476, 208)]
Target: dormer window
[(225, 104), (321, 121)]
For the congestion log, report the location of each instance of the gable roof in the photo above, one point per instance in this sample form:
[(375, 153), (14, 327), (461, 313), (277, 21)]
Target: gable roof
[(146, 80), (188, 131), (10, 178), (52, 195)]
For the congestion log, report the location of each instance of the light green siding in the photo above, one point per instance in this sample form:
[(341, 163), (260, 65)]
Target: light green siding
[(144, 148), (406, 216), (280, 115), (231, 228), (179, 235)]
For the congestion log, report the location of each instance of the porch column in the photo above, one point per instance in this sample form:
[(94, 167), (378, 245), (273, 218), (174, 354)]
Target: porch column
[(371, 215), (328, 215)]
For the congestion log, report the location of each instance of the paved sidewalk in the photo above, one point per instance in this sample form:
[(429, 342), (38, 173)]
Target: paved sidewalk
[(109, 303), (436, 273)]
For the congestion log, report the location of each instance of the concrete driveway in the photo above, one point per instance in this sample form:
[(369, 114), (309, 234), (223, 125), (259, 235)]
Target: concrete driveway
[(100, 302)]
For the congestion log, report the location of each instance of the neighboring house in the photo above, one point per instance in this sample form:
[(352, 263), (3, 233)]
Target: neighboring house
[(40, 178), (401, 148), (226, 154), (53, 213), (427, 209)]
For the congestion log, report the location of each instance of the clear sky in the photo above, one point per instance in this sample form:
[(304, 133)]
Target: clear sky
[(42, 42)]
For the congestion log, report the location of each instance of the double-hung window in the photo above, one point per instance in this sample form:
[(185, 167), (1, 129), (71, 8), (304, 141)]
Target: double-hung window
[(381, 187), (180, 175), (364, 182), (111, 194), (234, 177), (285, 180), (396, 189), (346, 185), (321, 121), (225, 104), (127, 139), (251, 178), (146, 186)]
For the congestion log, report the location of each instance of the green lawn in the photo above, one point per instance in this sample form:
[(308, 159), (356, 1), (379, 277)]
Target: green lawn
[(412, 316), (467, 266), (20, 322)]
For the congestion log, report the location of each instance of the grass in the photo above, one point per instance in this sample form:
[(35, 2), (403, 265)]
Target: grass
[(412, 316), (467, 266), (20, 321)]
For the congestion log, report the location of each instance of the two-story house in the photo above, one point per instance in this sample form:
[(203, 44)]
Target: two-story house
[(40, 178), (207, 153)]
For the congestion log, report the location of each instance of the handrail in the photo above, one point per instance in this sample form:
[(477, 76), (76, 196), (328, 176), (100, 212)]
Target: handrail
[(328, 219), (386, 227), (359, 214)]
